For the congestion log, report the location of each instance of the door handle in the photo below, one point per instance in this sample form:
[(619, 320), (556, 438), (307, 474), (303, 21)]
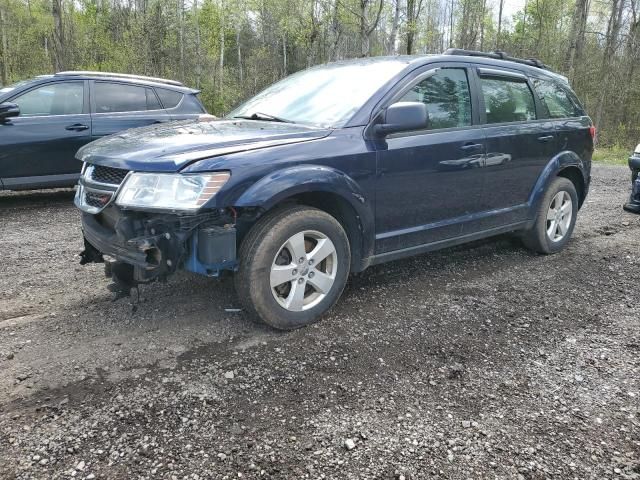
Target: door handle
[(76, 127), (469, 147), (545, 138)]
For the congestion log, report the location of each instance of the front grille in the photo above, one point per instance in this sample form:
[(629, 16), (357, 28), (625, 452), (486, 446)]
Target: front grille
[(110, 175), (96, 200)]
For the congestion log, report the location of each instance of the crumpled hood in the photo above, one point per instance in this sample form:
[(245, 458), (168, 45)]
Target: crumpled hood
[(170, 146)]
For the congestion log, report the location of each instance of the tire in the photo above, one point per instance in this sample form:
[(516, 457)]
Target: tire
[(266, 257), (538, 238)]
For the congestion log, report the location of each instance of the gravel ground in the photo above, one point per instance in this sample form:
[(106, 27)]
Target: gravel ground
[(483, 361)]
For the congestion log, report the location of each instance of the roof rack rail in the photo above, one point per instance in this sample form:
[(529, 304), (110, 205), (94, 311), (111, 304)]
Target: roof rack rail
[(498, 55), (119, 75)]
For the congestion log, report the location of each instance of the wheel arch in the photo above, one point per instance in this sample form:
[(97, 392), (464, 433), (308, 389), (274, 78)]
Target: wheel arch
[(324, 188), (566, 164)]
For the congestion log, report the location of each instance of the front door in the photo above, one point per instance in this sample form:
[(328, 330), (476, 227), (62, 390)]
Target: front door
[(42, 141), (430, 181)]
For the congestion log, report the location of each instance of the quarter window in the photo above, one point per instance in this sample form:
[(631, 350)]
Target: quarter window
[(65, 98), (118, 97), (446, 95), (507, 100), (169, 98), (555, 99)]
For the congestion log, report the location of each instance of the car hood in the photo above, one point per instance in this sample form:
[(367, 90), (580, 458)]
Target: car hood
[(171, 146)]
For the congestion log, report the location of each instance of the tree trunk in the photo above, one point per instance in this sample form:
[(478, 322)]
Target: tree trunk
[(180, 7), (240, 69), (576, 36), (392, 48), (499, 24), (59, 57), (221, 65), (4, 71), (196, 17), (613, 29)]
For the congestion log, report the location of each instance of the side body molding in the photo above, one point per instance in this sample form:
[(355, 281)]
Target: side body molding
[(282, 184)]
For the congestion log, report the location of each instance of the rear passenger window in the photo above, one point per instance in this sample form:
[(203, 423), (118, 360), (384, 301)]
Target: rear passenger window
[(556, 99), (118, 97), (169, 98), (446, 95), (507, 100)]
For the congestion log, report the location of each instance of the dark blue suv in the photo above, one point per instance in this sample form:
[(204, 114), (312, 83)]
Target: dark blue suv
[(337, 168), (44, 121)]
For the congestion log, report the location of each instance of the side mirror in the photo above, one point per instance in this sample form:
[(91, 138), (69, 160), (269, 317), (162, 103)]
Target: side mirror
[(403, 117), (8, 110)]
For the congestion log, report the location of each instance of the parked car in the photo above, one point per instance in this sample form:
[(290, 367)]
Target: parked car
[(633, 205), (337, 168), (45, 120)]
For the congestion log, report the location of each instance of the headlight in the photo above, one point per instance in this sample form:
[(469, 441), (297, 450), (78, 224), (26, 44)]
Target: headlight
[(170, 191), (637, 150)]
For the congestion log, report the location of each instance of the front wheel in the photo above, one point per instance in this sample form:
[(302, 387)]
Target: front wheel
[(555, 220), (294, 264)]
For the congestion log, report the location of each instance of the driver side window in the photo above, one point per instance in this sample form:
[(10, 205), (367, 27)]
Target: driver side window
[(446, 95), (65, 98)]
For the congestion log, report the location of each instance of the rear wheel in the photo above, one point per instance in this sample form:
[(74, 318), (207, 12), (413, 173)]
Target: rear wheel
[(294, 264), (555, 220)]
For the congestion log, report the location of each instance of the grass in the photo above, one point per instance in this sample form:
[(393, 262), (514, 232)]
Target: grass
[(612, 155)]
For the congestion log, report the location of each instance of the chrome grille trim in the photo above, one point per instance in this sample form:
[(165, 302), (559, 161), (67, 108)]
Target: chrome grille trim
[(89, 189)]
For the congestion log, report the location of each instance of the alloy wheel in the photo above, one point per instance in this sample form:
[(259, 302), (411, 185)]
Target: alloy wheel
[(303, 271), (559, 216)]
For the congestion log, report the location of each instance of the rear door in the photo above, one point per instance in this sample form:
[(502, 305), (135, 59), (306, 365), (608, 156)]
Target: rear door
[(117, 106), (520, 141), (571, 122), (54, 122)]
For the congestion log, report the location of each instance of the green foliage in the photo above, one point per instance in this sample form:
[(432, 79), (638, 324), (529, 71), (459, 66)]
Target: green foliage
[(231, 49)]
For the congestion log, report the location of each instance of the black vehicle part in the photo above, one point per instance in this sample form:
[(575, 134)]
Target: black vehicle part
[(498, 55), (90, 254), (216, 244)]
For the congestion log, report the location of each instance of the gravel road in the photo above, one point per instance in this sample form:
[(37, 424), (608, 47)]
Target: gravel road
[(483, 361)]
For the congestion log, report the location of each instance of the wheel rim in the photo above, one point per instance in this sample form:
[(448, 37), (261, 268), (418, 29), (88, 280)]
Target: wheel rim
[(559, 216), (303, 271)]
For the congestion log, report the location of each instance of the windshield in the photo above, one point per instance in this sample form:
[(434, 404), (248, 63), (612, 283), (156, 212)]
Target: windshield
[(326, 96)]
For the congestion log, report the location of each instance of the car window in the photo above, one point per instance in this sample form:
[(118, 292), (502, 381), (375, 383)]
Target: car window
[(64, 98), (169, 98), (507, 100), (556, 99), (446, 95), (152, 100), (119, 97)]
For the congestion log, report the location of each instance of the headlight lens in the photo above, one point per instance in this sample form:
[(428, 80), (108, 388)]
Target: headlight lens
[(168, 191)]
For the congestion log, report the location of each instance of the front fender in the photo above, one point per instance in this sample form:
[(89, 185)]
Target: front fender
[(556, 164), (277, 186)]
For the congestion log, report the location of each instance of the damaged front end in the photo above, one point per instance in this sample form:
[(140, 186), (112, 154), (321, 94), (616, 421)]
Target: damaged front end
[(141, 247)]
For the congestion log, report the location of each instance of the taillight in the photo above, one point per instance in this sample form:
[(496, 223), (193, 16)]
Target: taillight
[(592, 132)]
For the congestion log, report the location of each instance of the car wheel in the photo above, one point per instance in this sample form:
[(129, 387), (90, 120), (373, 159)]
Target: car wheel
[(555, 219), (294, 264)]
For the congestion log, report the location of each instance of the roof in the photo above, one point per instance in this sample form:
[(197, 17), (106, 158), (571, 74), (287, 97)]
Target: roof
[(136, 79)]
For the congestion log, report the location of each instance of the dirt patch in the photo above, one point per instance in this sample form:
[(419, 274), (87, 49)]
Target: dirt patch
[(482, 361)]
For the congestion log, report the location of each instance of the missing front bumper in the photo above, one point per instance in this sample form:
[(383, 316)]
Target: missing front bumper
[(142, 250)]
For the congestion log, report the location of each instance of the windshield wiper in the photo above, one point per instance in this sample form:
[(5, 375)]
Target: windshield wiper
[(264, 117)]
